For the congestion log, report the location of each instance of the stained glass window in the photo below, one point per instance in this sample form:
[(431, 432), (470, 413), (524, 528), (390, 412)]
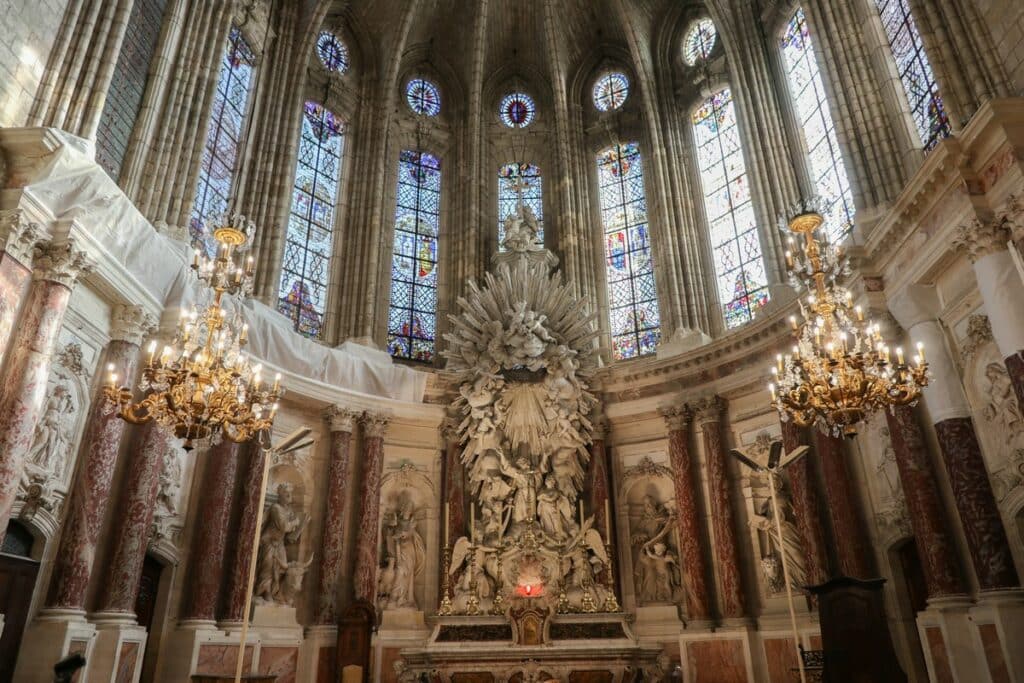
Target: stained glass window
[(513, 179), (517, 110), (309, 239), (699, 41), (333, 53), (735, 244), (812, 110), (632, 299), (915, 71), (611, 91), (423, 97), (223, 137), (413, 311)]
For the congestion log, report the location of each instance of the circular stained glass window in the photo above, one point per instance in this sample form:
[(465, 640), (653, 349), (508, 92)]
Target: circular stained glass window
[(517, 110), (423, 97), (611, 91), (333, 53), (699, 41)]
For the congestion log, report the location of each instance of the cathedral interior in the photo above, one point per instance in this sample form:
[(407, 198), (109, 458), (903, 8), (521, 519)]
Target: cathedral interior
[(494, 341)]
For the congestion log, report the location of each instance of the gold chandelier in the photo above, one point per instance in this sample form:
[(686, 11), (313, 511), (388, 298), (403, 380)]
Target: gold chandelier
[(840, 369), (202, 384)]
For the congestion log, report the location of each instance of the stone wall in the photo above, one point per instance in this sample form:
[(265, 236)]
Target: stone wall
[(1006, 22), (27, 31)]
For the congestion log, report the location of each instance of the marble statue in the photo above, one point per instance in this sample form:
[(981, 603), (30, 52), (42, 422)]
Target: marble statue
[(404, 558), (788, 547), (656, 569), (167, 493), (1002, 408), (283, 526), (554, 510), (53, 432)]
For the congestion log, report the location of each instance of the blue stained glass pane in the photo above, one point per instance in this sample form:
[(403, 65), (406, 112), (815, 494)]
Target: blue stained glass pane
[(611, 91), (736, 247), (413, 306), (332, 52), (423, 97), (633, 320), (302, 294), (699, 41), (515, 180), (517, 110), (220, 152)]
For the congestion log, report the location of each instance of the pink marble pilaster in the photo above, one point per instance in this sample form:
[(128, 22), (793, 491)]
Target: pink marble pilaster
[(134, 520), (805, 505), (979, 512), (692, 552), (365, 575), (853, 553), (252, 460), (917, 478), (212, 521), (340, 424), (731, 594), (90, 494), (24, 381)]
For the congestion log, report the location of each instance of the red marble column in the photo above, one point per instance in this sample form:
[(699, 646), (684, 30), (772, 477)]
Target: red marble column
[(134, 521), (692, 552), (212, 521), (341, 424), (252, 460), (87, 504), (853, 552), (923, 503), (18, 238), (597, 478), (23, 385), (979, 512), (805, 505), (454, 482), (726, 555), (1015, 371), (365, 581)]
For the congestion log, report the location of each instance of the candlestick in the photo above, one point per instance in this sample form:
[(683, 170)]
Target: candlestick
[(472, 523), (607, 522), (446, 525), (581, 515)]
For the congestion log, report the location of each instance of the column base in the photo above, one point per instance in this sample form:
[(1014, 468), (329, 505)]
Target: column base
[(657, 622), (998, 619), (948, 641), (725, 652), (53, 635), (120, 646)]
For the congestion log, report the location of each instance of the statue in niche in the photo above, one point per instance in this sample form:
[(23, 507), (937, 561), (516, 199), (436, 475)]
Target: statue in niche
[(776, 549), (53, 432), (654, 559), (404, 558), (168, 490), (1002, 405), (284, 527)]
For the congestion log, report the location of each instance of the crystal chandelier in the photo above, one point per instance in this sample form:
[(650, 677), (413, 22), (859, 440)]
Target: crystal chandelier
[(202, 385), (840, 369)]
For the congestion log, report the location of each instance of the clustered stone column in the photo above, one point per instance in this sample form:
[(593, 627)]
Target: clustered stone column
[(18, 238), (730, 589), (252, 461), (133, 528), (365, 575), (24, 382), (805, 505), (211, 533), (692, 552), (340, 423), (852, 550), (87, 504)]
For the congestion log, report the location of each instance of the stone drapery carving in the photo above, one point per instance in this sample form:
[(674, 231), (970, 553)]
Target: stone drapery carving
[(1001, 410), (279, 580), (773, 548), (168, 493), (403, 559), (655, 564)]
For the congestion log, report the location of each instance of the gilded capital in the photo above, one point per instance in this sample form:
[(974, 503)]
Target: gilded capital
[(130, 323), (374, 426), (340, 419), (19, 237), (709, 409), (979, 238), (62, 263), (677, 418)]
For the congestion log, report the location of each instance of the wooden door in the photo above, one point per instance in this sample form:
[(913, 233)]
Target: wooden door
[(17, 580)]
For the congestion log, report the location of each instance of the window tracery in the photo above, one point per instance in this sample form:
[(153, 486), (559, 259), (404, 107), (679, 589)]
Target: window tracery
[(699, 41), (513, 178), (423, 97), (517, 110), (611, 91), (634, 318), (332, 52), (735, 243)]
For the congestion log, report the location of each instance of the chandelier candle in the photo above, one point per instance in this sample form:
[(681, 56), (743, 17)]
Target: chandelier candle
[(840, 370)]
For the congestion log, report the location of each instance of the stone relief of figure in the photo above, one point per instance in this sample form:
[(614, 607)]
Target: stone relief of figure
[(283, 527), (168, 490), (404, 558), (654, 563), (775, 548), (1002, 407), (53, 432)]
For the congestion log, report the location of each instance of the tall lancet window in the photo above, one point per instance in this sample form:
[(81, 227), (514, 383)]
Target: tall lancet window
[(413, 311), (514, 179), (825, 161), (224, 135), (309, 238), (632, 298), (735, 244), (915, 71)]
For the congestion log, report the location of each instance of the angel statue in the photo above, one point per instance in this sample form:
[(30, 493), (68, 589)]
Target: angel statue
[(405, 556), (479, 561), (521, 230), (661, 574)]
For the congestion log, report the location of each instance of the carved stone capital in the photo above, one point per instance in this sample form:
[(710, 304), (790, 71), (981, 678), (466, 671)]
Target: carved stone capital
[(677, 418), (980, 238), (340, 419), (1013, 217), (131, 324), (374, 426), (601, 425), (450, 429), (979, 333), (62, 263), (19, 237), (709, 409)]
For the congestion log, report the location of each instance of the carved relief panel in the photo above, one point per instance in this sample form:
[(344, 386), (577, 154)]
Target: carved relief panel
[(407, 492)]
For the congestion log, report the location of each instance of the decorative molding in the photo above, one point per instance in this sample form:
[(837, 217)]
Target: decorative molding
[(405, 473), (646, 468), (979, 333)]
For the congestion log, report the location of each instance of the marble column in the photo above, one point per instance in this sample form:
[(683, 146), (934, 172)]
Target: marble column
[(692, 549), (804, 492), (454, 482), (917, 479), (213, 516), (365, 575), (915, 308), (133, 528), (18, 237), (730, 589), (852, 550), (251, 462), (340, 423), (24, 382), (87, 503), (597, 477)]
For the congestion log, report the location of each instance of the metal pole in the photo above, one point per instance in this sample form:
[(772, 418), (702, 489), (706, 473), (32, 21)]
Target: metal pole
[(785, 577), (250, 582)]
